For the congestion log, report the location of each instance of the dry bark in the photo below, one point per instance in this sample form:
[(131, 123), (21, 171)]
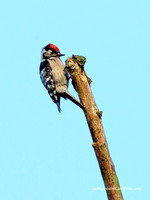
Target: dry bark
[(81, 83)]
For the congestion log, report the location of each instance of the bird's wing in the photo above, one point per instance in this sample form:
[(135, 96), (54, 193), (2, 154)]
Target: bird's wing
[(48, 81)]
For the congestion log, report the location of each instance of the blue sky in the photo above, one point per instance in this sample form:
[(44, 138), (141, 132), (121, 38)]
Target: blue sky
[(48, 155)]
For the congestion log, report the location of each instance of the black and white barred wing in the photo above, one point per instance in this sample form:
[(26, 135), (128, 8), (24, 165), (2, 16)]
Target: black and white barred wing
[(48, 81)]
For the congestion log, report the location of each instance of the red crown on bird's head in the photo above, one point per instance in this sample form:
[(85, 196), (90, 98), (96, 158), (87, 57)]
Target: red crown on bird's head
[(53, 47)]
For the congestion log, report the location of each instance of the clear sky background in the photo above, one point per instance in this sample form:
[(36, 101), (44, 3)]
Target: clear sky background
[(45, 154)]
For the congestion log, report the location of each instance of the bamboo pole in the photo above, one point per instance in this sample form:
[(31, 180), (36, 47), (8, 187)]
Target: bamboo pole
[(81, 83)]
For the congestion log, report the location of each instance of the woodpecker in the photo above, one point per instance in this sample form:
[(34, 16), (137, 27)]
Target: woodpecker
[(54, 75)]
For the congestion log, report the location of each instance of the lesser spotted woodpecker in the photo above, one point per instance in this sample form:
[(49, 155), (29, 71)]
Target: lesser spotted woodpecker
[(54, 75)]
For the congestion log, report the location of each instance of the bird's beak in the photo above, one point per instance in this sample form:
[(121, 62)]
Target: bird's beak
[(61, 54)]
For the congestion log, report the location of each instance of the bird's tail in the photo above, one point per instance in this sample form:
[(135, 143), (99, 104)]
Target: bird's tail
[(58, 103), (73, 99), (58, 106)]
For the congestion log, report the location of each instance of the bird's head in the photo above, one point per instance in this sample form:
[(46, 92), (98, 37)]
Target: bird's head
[(51, 50)]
